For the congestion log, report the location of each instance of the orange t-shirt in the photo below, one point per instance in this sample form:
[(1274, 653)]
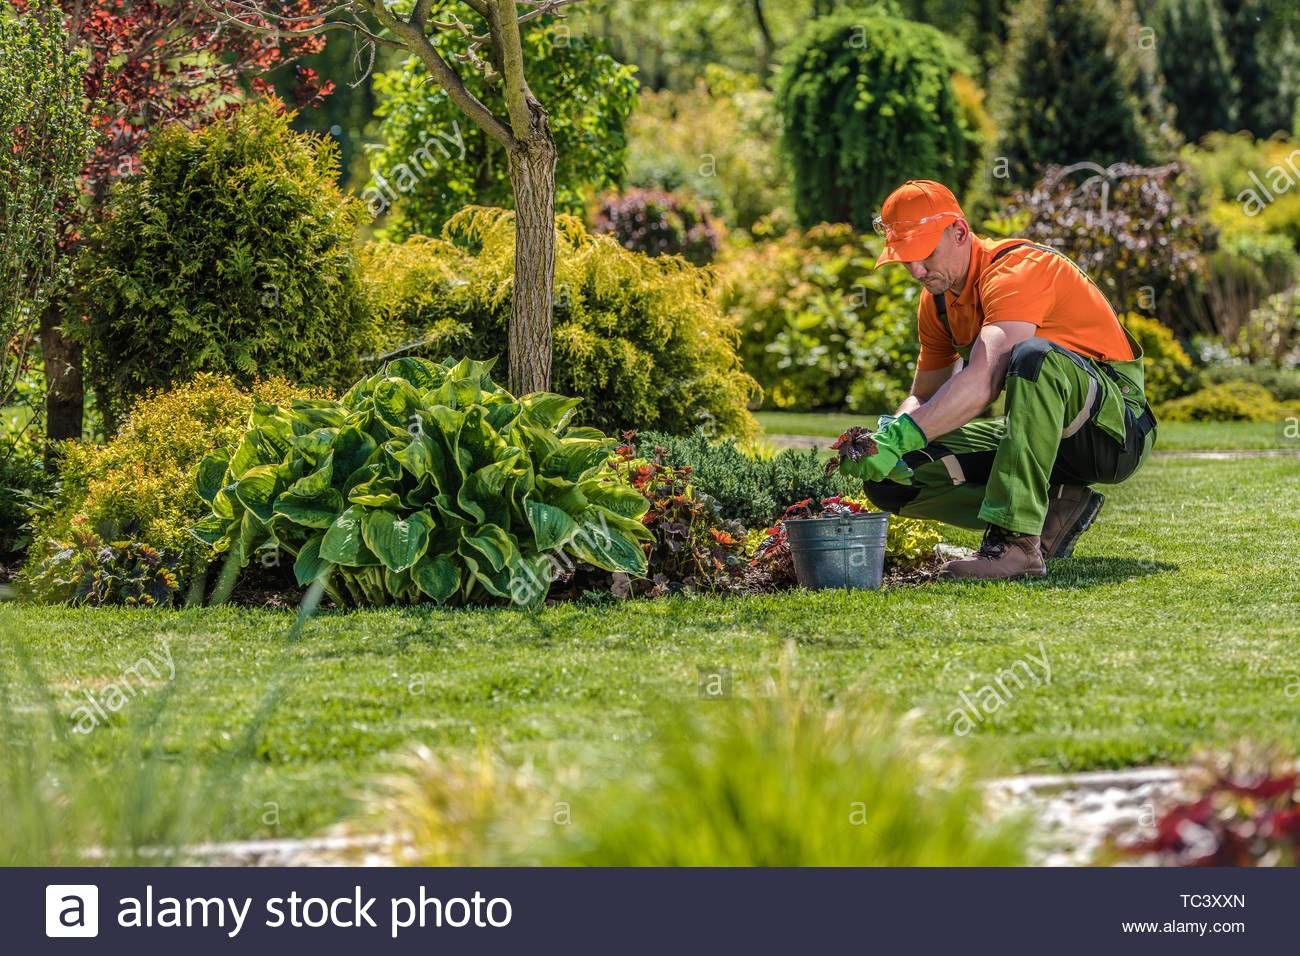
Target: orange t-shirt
[(1026, 285)]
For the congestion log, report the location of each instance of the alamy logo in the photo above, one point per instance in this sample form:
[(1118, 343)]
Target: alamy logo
[(71, 909)]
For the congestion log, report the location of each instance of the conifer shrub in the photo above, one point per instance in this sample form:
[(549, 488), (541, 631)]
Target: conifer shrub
[(231, 253), (867, 101)]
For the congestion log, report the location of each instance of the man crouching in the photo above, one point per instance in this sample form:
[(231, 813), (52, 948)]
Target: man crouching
[(1021, 316)]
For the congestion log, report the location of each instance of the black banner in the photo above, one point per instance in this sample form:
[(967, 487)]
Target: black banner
[(648, 911)]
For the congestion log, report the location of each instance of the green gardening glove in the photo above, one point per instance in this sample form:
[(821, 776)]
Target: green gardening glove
[(892, 442)]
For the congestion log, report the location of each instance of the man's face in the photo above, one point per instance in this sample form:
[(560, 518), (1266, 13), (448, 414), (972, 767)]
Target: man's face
[(945, 268)]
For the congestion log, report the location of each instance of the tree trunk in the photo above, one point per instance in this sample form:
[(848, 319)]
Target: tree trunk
[(532, 175), (767, 48), (65, 393)]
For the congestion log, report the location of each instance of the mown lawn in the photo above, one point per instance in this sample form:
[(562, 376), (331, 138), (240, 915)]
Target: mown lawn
[(1173, 436), (1176, 625)]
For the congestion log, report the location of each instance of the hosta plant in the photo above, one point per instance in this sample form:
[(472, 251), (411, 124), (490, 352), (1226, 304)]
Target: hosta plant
[(424, 482)]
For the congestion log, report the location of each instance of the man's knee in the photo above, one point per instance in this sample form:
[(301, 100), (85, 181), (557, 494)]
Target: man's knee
[(889, 495), (1027, 357)]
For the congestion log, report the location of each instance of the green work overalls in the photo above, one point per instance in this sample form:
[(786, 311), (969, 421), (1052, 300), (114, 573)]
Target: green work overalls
[(1069, 420)]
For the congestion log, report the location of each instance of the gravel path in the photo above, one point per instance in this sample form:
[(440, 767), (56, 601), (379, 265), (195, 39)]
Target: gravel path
[(1075, 813)]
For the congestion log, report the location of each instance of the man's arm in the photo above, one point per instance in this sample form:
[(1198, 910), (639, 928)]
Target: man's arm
[(968, 392), (924, 384)]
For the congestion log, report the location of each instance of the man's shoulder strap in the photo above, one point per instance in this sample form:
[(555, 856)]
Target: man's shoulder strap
[(941, 304)]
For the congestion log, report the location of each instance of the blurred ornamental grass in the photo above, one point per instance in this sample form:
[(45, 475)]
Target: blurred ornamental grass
[(778, 779)]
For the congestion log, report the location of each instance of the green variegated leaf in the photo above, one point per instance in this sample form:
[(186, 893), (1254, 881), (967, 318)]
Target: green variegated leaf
[(253, 533), (225, 504), (420, 373), (387, 500), (210, 530), (438, 577), (316, 413), (317, 482), (480, 495), (413, 455), (319, 511), (619, 498), (552, 526), (562, 493), (503, 415), (540, 442), (634, 528), (309, 565), (399, 584), (574, 458), (249, 453), (530, 579), (398, 406), (397, 542), (494, 544), (343, 543), (353, 449), (315, 444), (601, 542), (495, 583), (588, 434), (211, 475), (548, 409), (423, 457), (257, 489)]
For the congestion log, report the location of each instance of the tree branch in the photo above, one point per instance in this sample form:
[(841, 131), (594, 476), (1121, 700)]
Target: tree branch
[(504, 25), (420, 15), (414, 40)]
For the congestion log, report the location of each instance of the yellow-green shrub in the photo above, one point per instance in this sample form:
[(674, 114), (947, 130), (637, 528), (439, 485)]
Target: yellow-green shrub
[(1242, 204), (1227, 402), (641, 340), (140, 484), (820, 327), (1165, 365)]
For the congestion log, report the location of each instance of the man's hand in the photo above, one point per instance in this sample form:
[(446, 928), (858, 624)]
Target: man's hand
[(873, 457)]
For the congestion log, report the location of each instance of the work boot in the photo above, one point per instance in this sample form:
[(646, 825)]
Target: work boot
[(1003, 555), (1070, 510)]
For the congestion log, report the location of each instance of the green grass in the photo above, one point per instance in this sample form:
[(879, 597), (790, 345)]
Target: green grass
[(1176, 625), (1172, 436)]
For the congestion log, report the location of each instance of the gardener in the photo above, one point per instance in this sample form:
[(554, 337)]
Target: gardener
[(1014, 314)]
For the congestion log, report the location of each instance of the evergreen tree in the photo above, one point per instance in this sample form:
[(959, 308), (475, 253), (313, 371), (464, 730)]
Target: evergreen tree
[(1196, 66), (868, 101), (1075, 87), (1261, 38)]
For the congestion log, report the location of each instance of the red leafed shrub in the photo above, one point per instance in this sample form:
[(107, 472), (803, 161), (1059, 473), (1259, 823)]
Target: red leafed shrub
[(660, 223), (694, 548), (151, 63), (1241, 818)]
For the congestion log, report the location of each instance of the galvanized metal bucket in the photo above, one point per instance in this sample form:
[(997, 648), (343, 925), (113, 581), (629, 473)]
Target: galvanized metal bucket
[(841, 552)]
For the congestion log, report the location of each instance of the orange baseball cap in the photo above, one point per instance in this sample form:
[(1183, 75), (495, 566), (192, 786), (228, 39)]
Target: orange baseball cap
[(913, 218)]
